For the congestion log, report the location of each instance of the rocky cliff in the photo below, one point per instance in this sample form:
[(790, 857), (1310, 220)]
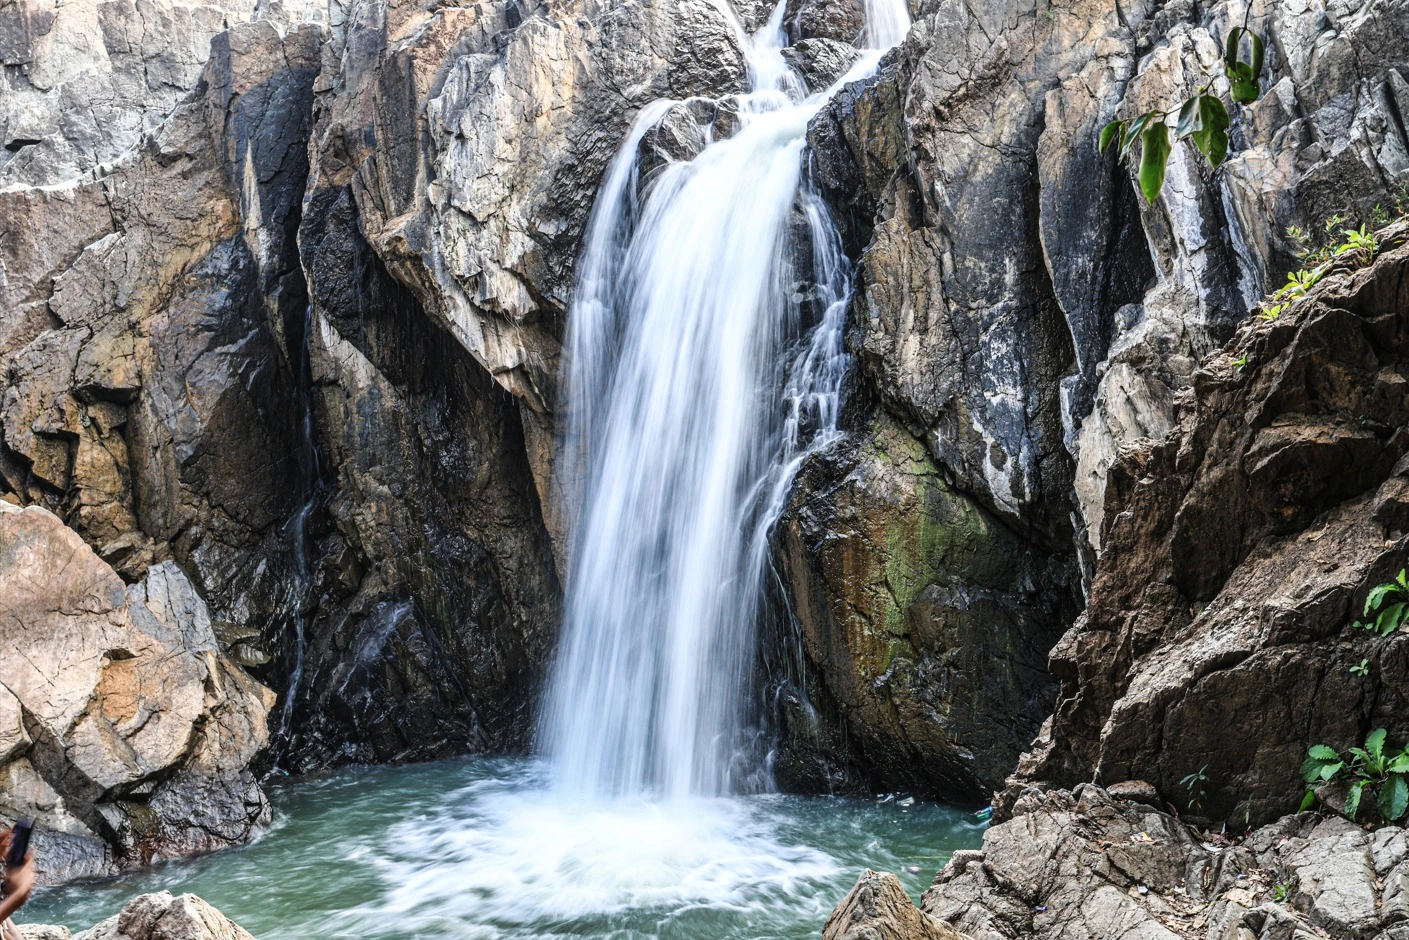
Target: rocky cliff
[(283, 294)]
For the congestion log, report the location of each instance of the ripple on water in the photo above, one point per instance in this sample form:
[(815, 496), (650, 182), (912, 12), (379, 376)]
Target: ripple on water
[(481, 848)]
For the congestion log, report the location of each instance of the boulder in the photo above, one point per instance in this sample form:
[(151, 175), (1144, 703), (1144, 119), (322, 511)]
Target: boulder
[(137, 733), (879, 909), (163, 917), (44, 932)]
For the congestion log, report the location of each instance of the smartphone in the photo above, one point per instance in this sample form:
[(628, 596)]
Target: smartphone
[(19, 843)]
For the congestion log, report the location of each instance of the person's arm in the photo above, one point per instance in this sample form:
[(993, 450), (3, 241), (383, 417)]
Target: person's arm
[(18, 884)]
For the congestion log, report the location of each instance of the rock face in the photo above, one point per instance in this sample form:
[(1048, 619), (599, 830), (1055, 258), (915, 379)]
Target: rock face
[(929, 620), (1239, 551), (286, 312), (1080, 864), (163, 917), (127, 733), (1027, 317)]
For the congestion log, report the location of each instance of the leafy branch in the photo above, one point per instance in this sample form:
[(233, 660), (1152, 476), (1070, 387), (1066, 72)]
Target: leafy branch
[(1202, 118)]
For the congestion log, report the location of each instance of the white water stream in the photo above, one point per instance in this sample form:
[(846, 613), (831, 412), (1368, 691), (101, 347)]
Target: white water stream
[(697, 383), (693, 393)]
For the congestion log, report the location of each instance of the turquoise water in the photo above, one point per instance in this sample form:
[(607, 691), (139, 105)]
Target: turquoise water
[(481, 848)]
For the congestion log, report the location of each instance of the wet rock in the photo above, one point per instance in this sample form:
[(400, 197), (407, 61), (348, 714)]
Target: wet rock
[(163, 917), (879, 909), (843, 21), (927, 620), (820, 62), (1239, 552), (137, 733)]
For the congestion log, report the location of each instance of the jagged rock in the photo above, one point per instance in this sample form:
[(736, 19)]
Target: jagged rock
[(1081, 864), (820, 61), (840, 20), (86, 81), (163, 917), (1239, 551), (927, 620), (879, 909), (44, 932), (135, 728), (150, 384)]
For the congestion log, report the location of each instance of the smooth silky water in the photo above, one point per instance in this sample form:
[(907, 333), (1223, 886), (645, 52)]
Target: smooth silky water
[(479, 848), (698, 378)]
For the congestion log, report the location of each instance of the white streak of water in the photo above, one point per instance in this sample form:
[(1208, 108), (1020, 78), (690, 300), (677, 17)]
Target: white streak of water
[(694, 389)]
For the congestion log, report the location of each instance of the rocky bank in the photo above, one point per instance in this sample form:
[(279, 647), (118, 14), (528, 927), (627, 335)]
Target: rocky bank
[(284, 287)]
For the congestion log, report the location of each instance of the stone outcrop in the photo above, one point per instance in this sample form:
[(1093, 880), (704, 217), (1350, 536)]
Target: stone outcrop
[(1081, 864), (126, 731), (1239, 553), (879, 909), (163, 917)]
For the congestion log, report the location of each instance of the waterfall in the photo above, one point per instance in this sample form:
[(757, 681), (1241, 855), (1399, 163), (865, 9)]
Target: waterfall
[(698, 377)]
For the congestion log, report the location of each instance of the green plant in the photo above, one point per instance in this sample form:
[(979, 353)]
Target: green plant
[(1371, 768), (1361, 668), (1358, 240), (1197, 785), (1241, 362), (1390, 604), (1202, 119), (1281, 891)]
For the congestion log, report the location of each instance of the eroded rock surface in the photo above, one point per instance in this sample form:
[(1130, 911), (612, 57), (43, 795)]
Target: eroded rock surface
[(128, 734), (163, 917), (1082, 865), (1240, 550)]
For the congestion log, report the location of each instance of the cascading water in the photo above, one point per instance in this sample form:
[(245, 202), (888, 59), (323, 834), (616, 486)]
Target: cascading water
[(706, 362), (686, 420)]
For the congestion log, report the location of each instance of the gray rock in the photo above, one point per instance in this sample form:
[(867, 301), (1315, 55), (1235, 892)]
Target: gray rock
[(163, 917), (879, 909), (820, 61)]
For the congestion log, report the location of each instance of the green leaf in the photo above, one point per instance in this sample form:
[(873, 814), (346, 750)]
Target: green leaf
[(1311, 769), (1376, 597), (1230, 46), (1330, 770), (1390, 618), (1111, 132), (1323, 753), (1307, 801), (1375, 744), (1190, 119), (1154, 157), (1400, 764), (1242, 83), (1352, 800), (1133, 132), (1211, 136), (1394, 797), (1257, 53), (1403, 583)]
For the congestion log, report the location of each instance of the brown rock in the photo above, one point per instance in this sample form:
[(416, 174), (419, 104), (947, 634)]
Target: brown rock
[(879, 909), (129, 707)]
